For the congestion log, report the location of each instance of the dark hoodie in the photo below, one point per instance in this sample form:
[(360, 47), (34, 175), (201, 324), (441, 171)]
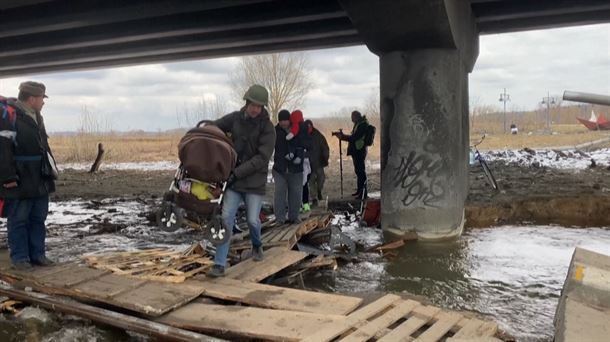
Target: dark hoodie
[(254, 139)]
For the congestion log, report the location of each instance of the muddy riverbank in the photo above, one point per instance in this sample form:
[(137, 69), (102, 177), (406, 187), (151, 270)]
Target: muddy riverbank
[(530, 194)]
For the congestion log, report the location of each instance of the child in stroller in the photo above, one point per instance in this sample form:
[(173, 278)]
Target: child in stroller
[(194, 199)]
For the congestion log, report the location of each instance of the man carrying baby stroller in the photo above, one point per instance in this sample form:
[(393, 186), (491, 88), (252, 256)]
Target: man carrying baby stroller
[(254, 138)]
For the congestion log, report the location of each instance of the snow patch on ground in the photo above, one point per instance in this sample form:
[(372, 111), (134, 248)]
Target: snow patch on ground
[(566, 159), (144, 166)]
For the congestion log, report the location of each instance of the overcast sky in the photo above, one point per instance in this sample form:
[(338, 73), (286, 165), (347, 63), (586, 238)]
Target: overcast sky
[(148, 97)]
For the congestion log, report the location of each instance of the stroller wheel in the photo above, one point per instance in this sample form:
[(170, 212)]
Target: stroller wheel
[(170, 217), (215, 232)]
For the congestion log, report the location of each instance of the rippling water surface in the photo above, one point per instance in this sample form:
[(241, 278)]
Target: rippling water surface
[(513, 275)]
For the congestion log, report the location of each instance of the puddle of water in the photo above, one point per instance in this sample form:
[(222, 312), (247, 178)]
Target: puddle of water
[(513, 275)]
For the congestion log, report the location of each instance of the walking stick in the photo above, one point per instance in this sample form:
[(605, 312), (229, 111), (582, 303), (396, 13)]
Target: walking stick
[(341, 160)]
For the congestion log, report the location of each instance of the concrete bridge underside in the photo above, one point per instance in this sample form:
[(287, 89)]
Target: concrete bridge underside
[(426, 50)]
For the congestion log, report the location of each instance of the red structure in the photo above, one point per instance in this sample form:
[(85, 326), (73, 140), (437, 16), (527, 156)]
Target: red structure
[(595, 123)]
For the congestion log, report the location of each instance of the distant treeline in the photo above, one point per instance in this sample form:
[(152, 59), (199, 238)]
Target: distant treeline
[(489, 120)]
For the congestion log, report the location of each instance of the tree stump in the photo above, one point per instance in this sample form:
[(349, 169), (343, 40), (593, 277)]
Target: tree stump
[(98, 159)]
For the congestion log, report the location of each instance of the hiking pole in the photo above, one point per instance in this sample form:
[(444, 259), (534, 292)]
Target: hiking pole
[(338, 135)]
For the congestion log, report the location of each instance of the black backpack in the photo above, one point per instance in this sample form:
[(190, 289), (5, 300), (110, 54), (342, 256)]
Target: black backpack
[(369, 137)]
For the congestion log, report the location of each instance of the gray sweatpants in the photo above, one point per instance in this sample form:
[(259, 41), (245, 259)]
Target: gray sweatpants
[(288, 192)]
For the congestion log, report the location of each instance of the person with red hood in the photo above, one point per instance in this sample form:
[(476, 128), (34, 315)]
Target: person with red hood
[(288, 168), (296, 121)]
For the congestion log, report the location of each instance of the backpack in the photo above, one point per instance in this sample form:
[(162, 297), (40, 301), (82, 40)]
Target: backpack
[(369, 136), (6, 113)]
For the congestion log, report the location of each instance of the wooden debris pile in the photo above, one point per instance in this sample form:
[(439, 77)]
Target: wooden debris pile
[(284, 235), (154, 264)]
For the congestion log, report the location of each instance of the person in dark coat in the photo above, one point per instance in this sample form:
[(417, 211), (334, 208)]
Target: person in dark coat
[(287, 170), (253, 136), (27, 174), (318, 159), (357, 149)]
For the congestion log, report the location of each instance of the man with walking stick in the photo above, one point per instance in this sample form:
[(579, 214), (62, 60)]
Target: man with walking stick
[(359, 140)]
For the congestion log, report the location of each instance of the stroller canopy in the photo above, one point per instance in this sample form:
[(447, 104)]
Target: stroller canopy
[(207, 154)]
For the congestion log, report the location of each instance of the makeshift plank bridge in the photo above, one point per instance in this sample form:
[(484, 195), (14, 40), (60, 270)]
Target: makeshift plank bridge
[(187, 305)]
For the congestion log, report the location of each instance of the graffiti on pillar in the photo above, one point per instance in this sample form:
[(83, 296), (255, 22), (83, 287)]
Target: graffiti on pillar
[(418, 126), (420, 177)]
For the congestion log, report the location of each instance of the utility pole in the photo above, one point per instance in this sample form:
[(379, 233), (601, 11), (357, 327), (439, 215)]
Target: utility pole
[(503, 98), (548, 100)]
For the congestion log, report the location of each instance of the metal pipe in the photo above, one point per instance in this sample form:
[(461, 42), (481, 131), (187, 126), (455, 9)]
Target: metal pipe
[(586, 98)]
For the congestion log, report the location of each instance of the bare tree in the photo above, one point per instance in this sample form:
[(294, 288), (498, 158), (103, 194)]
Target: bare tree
[(204, 109), (284, 75), (371, 104)]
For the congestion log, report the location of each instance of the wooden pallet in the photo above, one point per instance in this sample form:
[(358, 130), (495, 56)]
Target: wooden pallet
[(285, 236), (392, 318), (154, 264), (152, 298), (276, 259)]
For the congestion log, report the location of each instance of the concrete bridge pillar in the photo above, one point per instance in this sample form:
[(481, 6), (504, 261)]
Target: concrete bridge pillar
[(424, 142), (426, 49)]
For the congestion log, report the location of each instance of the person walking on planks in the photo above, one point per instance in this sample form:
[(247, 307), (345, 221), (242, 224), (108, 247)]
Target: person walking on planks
[(253, 135), (287, 171), (27, 175)]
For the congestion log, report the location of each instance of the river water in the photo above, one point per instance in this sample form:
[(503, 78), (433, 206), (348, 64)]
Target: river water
[(510, 274)]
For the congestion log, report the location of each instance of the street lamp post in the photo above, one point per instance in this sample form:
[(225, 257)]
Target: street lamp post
[(548, 100), (503, 98)]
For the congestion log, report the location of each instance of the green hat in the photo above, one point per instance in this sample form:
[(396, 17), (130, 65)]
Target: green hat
[(257, 94), (33, 88)]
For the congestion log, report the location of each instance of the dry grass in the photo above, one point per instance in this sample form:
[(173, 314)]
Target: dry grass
[(135, 147), (563, 135)]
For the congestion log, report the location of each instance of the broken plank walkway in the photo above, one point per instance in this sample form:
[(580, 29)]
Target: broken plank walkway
[(285, 236), (267, 312)]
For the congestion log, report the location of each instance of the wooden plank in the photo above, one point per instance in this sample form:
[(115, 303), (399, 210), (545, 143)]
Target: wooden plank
[(445, 321), (424, 311), (356, 318), (37, 271), (422, 315), (67, 306), (108, 285), (157, 298), (70, 276), (286, 234), (272, 234), (367, 331), (276, 325), (274, 297), (469, 329), (275, 260), (488, 329), (152, 298)]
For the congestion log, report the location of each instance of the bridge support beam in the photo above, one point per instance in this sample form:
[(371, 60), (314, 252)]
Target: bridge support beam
[(424, 115), (426, 50)]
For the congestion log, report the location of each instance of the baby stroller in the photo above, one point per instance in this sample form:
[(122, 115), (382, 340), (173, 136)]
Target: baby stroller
[(195, 194)]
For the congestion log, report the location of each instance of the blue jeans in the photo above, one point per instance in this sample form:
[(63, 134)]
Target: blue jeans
[(230, 204), (26, 229)]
